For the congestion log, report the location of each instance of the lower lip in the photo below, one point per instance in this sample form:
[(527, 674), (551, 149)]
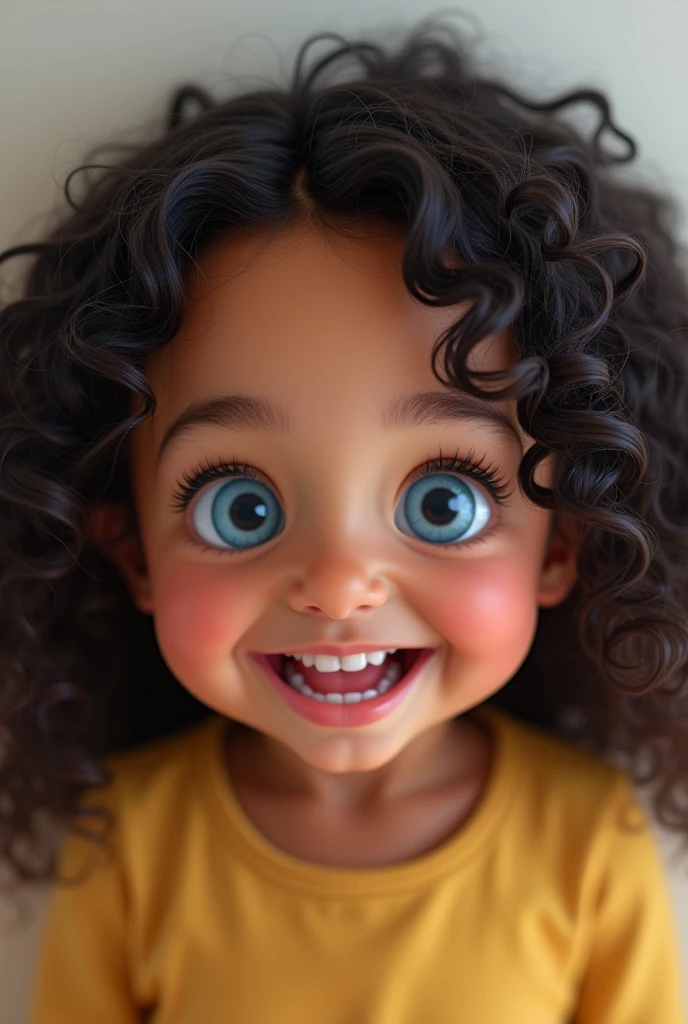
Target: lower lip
[(349, 715)]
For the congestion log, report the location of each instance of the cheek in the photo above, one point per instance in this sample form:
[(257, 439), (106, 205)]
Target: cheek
[(197, 617), (485, 608)]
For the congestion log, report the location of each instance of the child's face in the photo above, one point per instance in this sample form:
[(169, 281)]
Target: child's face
[(328, 331)]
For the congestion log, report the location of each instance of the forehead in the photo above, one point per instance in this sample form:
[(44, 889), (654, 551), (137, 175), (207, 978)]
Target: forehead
[(277, 314)]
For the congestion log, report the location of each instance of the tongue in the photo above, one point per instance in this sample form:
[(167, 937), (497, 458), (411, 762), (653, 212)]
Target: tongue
[(346, 682)]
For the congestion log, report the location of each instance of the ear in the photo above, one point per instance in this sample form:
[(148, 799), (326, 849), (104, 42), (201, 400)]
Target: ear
[(115, 534), (559, 570)]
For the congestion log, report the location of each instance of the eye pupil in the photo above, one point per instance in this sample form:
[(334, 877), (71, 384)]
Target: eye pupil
[(440, 505), (248, 512)]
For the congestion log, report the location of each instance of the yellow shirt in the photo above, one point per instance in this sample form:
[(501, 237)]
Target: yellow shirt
[(541, 909)]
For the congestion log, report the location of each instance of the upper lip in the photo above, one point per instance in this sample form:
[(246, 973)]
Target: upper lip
[(339, 650)]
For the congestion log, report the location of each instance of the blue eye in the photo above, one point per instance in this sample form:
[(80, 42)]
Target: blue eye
[(442, 509), (241, 511), (237, 514)]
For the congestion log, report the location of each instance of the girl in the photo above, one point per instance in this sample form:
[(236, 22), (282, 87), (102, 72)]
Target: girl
[(344, 483)]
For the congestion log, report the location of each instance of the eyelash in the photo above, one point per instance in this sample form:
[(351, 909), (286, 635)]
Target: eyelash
[(488, 476)]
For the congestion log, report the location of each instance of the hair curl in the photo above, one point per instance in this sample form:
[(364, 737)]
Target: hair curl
[(580, 267)]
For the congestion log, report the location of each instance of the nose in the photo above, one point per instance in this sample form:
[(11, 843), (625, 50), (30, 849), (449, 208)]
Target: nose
[(336, 585)]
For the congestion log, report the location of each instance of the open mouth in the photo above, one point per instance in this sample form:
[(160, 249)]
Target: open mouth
[(345, 687)]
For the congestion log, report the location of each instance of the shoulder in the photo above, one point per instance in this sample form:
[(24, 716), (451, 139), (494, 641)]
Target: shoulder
[(535, 748), (160, 776), (560, 792)]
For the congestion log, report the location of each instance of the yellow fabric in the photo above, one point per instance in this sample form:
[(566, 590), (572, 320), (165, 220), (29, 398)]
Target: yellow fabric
[(543, 909)]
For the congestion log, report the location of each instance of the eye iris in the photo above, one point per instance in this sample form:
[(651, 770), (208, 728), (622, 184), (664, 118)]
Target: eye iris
[(443, 509), (239, 514)]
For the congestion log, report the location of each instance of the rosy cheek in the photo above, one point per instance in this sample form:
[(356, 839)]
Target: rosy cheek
[(483, 608), (197, 613)]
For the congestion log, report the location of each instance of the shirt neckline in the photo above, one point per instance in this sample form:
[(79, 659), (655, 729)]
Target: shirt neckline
[(292, 873)]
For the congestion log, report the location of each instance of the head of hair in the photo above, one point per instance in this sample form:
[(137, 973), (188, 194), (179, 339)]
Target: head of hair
[(580, 266)]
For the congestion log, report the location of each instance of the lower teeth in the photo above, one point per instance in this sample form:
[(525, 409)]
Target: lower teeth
[(298, 683)]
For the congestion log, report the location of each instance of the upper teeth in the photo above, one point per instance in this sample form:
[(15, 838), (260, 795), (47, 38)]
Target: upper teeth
[(349, 663)]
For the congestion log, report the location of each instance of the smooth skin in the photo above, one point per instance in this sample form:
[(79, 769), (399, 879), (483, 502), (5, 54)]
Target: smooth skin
[(323, 326)]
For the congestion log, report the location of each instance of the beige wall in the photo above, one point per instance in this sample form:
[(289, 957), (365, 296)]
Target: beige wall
[(74, 72)]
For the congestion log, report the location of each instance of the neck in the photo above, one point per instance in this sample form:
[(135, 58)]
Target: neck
[(445, 754)]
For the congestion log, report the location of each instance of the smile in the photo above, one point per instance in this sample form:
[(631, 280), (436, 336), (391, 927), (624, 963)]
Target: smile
[(340, 698)]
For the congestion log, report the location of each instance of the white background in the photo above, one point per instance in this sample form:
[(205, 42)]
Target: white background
[(77, 72)]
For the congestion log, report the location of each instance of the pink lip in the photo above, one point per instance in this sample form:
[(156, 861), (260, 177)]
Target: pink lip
[(350, 715), (339, 650)]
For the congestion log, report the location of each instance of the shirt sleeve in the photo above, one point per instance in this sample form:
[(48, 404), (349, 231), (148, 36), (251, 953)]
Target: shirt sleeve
[(633, 973), (82, 970)]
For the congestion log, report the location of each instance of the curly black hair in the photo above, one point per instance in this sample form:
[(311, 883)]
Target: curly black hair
[(579, 265)]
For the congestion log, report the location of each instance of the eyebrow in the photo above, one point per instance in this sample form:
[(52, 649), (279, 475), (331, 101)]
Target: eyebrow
[(424, 408)]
